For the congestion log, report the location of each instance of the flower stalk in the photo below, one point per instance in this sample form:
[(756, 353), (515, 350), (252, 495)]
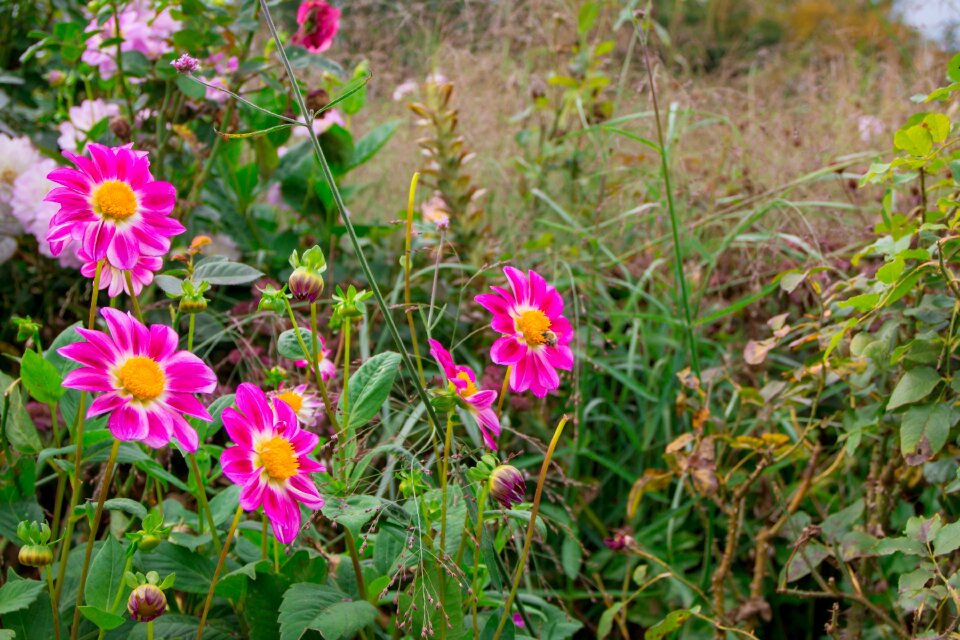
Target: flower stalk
[(202, 498), (216, 572)]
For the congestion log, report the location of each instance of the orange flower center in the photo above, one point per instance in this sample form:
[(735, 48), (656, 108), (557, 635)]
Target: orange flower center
[(293, 399), (115, 199), (142, 378), (471, 387), (278, 458), (533, 324)]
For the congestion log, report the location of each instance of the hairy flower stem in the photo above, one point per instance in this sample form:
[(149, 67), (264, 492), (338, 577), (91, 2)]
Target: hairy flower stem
[(351, 232), (331, 415), (444, 471), (53, 604), (202, 499), (216, 572), (531, 527), (408, 266), (94, 527), (478, 535), (68, 518)]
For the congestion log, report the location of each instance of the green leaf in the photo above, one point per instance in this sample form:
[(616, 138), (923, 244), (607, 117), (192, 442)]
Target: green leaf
[(588, 17), (889, 272), (915, 140), (370, 144), (103, 619), (605, 626), (914, 386), (191, 88), (289, 347), (20, 594), (324, 609), (353, 512), (106, 575), (370, 386), (938, 125), (30, 621), (571, 556), (947, 539), (127, 505), (40, 378), (194, 572), (862, 302), (923, 432), (225, 272), (20, 430), (671, 623)]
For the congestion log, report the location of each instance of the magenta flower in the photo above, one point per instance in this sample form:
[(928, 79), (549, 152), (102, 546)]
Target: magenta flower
[(328, 370), (113, 279), (319, 23), (186, 64), (477, 402), (536, 334), (270, 460), (147, 386), (112, 207)]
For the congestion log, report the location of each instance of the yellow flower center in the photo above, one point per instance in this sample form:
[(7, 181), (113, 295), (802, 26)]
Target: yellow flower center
[(278, 458), (471, 387), (533, 324), (115, 199), (293, 399), (142, 378)]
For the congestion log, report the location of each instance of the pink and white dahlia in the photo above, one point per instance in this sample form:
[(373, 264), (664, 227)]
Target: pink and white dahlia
[(328, 370), (271, 460), (319, 23), (536, 335), (306, 405), (83, 118), (114, 280), (146, 384), (477, 402), (111, 206), (29, 207), (142, 28)]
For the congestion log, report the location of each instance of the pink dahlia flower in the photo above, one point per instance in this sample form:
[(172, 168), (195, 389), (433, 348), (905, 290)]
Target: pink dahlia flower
[(113, 279), (270, 460), (146, 384), (477, 402), (536, 335), (112, 207), (142, 28), (328, 370), (319, 23), (306, 405)]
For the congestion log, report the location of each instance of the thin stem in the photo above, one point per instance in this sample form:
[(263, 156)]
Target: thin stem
[(351, 545), (53, 603), (120, 74), (674, 225), (314, 338), (68, 518), (276, 556), (94, 527), (478, 534), (531, 527), (150, 630), (344, 401), (444, 470), (436, 278), (351, 232), (216, 572), (202, 498), (331, 416), (191, 324), (116, 599), (503, 389), (133, 297), (408, 266), (264, 543)]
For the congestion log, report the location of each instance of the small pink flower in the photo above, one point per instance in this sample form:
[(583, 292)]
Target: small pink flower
[(186, 64), (328, 370), (271, 460), (518, 620), (112, 207), (536, 334), (476, 401), (319, 23), (146, 384), (113, 279)]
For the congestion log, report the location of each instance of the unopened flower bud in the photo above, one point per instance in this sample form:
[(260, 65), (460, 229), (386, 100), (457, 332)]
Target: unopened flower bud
[(146, 603), (305, 284), (35, 555), (507, 486), (186, 64), (149, 542), (192, 304)]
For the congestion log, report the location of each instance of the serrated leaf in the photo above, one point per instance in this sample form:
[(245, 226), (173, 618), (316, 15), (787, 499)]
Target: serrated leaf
[(915, 385), (324, 609)]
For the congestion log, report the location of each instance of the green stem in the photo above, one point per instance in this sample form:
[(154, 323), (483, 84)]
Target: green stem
[(314, 338), (344, 434), (531, 527), (264, 543), (150, 630), (351, 545), (444, 470), (276, 556), (78, 456), (53, 604), (202, 499), (116, 599), (503, 389), (216, 572), (478, 534), (191, 324), (133, 298), (331, 416), (351, 232), (120, 74), (162, 128), (94, 528), (408, 267)]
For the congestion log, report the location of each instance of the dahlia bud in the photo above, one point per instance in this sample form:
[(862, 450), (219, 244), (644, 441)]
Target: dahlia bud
[(186, 64), (192, 300), (149, 542), (305, 284), (120, 127), (146, 603), (507, 486), (35, 555)]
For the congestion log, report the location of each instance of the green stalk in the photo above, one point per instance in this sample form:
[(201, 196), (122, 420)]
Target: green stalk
[(444, 466), (133, 298), (408, 266), (331, 415), (94, 527), (216, 572), (191, 324), (150, 630), (314, 338), (522, 561), (68, 518), (202, 498), (478, 534), (53, 603), (263, 540), (351, 232)]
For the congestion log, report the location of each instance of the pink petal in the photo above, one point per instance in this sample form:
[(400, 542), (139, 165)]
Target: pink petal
[(305, 491), (253, 403), (284, 514), (518, 283), (507, 351), (88, 380), (105, 403), (237, 463), (252, 494), (184, 433), (188, 404), (128, 423)]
